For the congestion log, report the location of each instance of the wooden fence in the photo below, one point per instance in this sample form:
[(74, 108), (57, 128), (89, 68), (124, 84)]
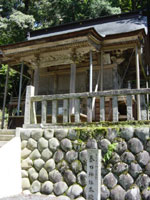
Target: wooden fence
[(30, 112)]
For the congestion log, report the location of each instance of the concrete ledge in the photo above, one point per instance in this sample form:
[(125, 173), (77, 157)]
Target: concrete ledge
[(30, 197), (7, 131)]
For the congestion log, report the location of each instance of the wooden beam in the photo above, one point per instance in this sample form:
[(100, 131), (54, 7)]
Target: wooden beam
[(84, 68), (4, 100), (20, 89), (138, 81)]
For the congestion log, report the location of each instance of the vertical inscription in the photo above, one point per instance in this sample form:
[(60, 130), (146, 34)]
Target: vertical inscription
[(93, 174)]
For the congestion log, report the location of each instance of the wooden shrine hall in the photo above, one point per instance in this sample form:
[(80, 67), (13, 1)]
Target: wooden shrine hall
[(89, 71)]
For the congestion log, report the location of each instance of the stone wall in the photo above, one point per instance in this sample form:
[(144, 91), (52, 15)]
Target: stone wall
[(54, 161)]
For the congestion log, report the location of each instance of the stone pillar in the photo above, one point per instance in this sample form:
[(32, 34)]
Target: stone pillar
[(93, 174)]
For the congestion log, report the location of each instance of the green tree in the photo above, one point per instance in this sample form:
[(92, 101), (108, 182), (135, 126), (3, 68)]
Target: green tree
[(84, 9), (130, 5), (12, 76)]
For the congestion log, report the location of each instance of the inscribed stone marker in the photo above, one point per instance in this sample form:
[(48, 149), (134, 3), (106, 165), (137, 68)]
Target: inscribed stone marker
[(93, 174)]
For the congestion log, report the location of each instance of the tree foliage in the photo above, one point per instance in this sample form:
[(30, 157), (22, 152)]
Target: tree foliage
[(15, 28), (20, 16), (130, 5)]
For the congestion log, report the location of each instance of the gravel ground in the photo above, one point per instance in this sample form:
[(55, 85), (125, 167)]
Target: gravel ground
[(29, 197)]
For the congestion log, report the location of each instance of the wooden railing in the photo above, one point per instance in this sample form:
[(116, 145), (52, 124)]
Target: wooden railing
[(130, 95)]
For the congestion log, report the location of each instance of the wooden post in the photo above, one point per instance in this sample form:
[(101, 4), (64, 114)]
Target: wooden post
[(65, 111), (115, 77), (4, 100), (55, 83), (93, 174), (147, 97), (115, 108), (102, 70), (138, 82), (20, 88), (129, 108), (54, 111), (143, 108), (102, 108), (72, 89), (91, 73), (89, 109), (91, 85), (44, 112), (129, 105), (77, 110), (30, 114), (36, 80), (96, 89)]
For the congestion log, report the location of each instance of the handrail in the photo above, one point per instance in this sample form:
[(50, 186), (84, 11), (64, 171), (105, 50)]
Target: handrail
[(107, 93), (30, 111)]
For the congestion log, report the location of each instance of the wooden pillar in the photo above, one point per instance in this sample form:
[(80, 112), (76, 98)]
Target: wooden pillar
[(147, 97), (4, 100), (102, 71), (72, 87), (91, 73), (91, 84), (55, 83), (20, 88), (36, 80), (100, 77), (138, 82), (115, 77)]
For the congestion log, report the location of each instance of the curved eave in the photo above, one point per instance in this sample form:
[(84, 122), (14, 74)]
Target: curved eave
[(76, 34)]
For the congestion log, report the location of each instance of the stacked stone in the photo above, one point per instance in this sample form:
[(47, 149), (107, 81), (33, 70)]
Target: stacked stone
[(51, 165), (54, 163), (125, 176)]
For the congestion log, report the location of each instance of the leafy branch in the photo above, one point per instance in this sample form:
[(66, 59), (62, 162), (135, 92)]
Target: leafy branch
[(111, 148)]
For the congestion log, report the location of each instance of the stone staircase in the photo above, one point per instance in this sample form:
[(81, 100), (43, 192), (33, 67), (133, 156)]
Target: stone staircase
[(6, 135)]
